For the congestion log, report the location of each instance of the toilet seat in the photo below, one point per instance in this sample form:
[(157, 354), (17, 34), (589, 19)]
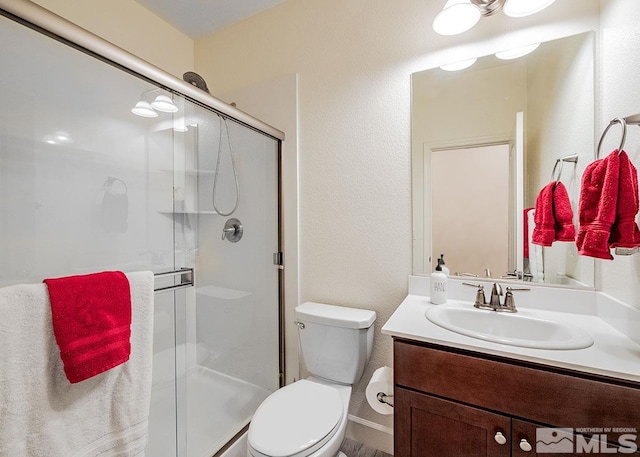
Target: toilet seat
[(296, 420)]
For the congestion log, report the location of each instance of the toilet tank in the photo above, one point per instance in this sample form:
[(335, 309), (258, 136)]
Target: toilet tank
[(336, 341)]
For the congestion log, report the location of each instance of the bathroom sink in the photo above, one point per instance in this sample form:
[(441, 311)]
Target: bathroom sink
[(508, 328)]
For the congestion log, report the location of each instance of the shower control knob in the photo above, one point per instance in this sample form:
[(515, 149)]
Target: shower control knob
[(232, 230)]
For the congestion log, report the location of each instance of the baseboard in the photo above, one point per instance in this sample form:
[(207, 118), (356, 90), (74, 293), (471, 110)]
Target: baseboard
[(373, 425), (370, 434)]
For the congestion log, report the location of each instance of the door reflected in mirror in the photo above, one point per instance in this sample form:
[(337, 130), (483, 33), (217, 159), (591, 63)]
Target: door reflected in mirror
[(471, 205), (455, 180)]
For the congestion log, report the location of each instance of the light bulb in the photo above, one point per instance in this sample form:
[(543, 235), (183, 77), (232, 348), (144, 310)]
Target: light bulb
[(456, 17), (143, 109), (164, 104)]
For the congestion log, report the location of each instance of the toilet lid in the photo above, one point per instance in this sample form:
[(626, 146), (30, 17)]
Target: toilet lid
[(298, 418)]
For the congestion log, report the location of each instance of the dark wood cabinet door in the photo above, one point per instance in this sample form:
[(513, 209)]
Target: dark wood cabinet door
[(523, 437), (427, 426)]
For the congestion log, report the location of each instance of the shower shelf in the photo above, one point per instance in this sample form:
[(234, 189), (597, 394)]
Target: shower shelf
[(185, 211), (190, 171)]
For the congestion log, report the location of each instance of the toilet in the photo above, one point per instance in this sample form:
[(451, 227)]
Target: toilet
[(309, 417)]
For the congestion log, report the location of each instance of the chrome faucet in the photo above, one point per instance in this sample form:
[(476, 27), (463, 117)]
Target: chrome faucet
[(496, 293), (509, 305), (519, 275)]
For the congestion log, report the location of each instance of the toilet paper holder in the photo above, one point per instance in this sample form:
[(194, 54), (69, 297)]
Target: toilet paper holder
[(384, 398), (379, 391)]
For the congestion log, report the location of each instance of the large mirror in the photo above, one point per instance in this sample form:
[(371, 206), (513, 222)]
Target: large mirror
[(485, 141)]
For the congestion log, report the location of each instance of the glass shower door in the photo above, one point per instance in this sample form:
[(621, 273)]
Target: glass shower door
[(231, 353), (86, 185)]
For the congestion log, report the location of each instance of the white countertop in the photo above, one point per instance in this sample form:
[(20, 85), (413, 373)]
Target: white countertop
[(613, 353)]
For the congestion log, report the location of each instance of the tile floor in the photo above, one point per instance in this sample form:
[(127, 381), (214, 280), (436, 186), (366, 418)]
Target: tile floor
[(354, 449)]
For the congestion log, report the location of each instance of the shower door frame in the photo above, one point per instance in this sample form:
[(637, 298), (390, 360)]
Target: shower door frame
[(44, 21)]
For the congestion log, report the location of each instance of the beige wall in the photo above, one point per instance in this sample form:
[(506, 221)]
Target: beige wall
[(132, 27)]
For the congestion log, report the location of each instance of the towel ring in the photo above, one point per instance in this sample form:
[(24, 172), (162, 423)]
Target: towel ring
[(573, 158), (553, 172), (623, 124), (108, 184)]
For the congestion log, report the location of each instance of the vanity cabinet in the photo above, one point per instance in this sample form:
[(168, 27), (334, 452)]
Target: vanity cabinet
[(457, 403)]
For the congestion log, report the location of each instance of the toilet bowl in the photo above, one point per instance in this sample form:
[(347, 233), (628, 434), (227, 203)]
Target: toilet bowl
[(309, 418), (305, 419)]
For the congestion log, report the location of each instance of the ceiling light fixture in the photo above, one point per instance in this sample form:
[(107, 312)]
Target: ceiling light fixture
[(456, 66), (517, 52), (458, 16)]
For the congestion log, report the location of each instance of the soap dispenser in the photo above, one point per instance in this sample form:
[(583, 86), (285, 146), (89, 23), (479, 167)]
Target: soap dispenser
[(438, 282), (445, 270)]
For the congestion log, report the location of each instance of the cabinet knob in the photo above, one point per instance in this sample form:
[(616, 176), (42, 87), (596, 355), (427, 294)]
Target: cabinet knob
[(500, 438), (525, 445)]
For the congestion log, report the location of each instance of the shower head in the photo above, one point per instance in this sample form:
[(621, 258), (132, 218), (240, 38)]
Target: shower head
[(197, 80)]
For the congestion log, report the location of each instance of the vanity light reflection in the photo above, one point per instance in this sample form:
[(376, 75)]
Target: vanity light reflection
[(507, 54), (461, 65), (515, 53)]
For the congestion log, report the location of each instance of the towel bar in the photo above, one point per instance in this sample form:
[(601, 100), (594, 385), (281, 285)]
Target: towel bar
[(186, 279)]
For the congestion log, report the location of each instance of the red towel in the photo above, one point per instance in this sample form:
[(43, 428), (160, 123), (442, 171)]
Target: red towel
[(553, 216), (91, 322), (544, 230), (564, 230), (624, 232), (598, 204)]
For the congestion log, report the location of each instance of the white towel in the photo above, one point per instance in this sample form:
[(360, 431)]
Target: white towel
[(536, 262), (41, 413)]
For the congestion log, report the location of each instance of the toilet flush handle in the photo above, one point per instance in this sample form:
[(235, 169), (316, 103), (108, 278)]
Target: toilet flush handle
[(299, 324)]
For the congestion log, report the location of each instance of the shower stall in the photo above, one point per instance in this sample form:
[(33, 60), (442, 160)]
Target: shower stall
[(182, 181)]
